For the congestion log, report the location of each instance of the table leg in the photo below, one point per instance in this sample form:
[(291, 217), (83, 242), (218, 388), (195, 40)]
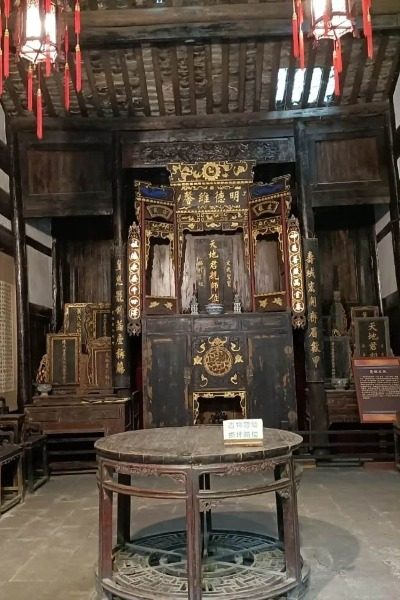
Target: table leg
[(29, 467), (193, 537), (105, 528), (123, 512), (291, 527), (206, 515), (279, 507)]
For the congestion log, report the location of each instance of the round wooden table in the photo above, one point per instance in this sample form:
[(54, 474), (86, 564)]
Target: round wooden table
[(193, 465)]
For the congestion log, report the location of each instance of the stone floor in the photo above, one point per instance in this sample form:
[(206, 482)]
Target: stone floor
[(349, 518)]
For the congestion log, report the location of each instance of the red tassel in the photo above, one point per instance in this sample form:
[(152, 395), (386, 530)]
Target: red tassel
[(1, 72), (339, 56), (6, 57), (365, 9), (66, 42), (370, 45), (301, 36), (336, 74), (7, 8), (39, 114), (78, 68), (47, 6), (30, 89), (77, 18), (48, 57), (66, 87), (295, 34)]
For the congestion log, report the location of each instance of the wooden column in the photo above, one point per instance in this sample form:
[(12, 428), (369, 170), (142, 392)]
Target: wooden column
[(120, 339), (313, 340), (57, 284), (21, 277)]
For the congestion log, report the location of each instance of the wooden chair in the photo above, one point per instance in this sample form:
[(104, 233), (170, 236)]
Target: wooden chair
[(34, 444), (11, 477)]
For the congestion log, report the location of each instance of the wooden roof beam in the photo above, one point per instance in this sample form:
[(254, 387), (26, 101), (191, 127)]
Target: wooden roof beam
[(119, 27)]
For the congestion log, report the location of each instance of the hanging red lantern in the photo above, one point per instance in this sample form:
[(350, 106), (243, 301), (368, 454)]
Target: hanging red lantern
[(330, 20), (37, 39)]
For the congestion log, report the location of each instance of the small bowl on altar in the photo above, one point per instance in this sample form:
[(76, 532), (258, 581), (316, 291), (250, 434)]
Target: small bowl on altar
[(44, 388), (214, 308)]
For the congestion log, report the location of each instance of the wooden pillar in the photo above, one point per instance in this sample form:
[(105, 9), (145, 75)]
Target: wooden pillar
[(21, 277), (57, 284), (120, 339), (314, 339), (394, 187)]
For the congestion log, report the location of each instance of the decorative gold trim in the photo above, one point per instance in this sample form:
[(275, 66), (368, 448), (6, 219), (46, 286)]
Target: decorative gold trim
[(164, 231), (241, 394), (134, 280), (267, 226), (296, 274)]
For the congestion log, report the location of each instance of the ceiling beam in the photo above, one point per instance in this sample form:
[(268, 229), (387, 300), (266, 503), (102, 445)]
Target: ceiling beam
[(119, 27), (174, 122)]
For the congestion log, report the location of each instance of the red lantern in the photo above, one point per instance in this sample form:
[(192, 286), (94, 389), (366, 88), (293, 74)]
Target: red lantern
[(330, 20), (38, 42)]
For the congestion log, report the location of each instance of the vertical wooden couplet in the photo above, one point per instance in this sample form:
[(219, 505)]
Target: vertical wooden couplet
[(21, 277), (120, 340), (314, 368), (314, 341)]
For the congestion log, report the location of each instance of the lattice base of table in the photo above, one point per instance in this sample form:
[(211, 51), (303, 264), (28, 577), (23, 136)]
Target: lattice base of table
[(239, 566)]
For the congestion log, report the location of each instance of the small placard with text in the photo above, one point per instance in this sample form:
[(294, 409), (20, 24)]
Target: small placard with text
[(246, 432)]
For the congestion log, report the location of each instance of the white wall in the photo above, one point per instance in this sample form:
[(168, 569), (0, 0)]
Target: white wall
[(387, 275)]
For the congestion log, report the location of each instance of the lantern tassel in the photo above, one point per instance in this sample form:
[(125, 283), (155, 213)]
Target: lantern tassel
[(66, 87), (66, 42), (7, 8), (295, 32), (370, 45), (77, 18), (336, 74), (339, 56), (6, 55), (39, 115), (301, 35), (48, 57), (47, 6), (30, 89), (78, 68)]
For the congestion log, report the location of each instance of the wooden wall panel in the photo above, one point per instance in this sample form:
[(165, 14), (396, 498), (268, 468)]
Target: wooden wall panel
[(87, 271), (66, 171), (343, 162), (66, 174), (347, 160)]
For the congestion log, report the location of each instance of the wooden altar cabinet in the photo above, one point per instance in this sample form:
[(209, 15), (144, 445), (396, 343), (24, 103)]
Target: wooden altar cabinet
[(215, 286)]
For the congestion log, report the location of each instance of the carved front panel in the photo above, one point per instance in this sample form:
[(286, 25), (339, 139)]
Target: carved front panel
[(218, 362)]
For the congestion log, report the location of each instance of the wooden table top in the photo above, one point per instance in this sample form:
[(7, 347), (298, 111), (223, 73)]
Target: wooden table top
[(202, 444)]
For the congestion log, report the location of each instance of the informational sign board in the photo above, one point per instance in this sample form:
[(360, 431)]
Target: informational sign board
[(377, 382)]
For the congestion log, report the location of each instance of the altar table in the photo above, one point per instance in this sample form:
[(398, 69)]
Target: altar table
[(193, 465)]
